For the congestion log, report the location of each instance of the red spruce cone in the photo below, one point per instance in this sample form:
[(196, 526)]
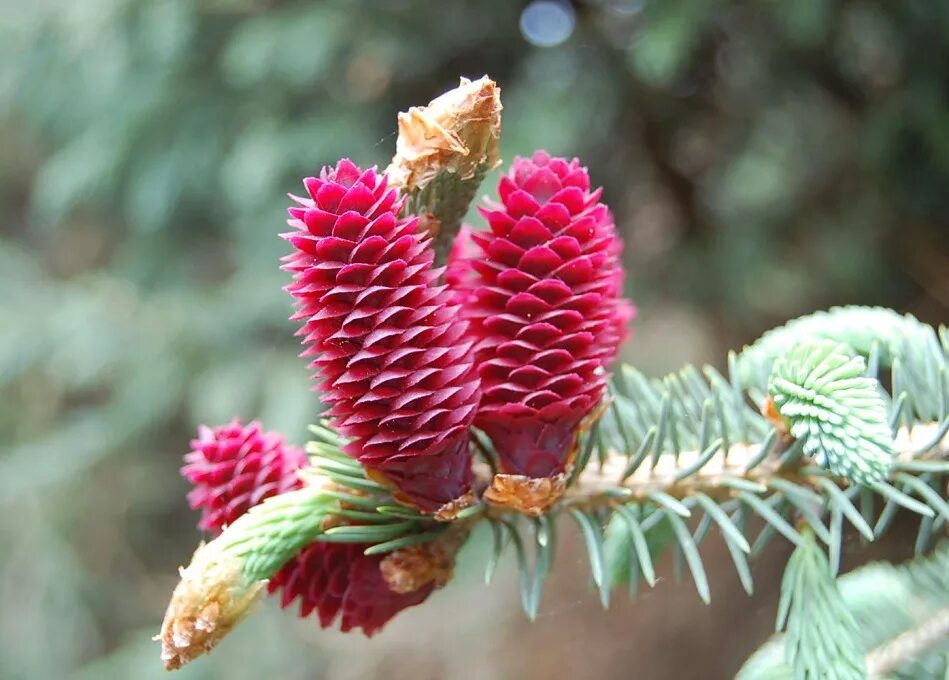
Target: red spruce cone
[(233, 468), (390, 348), (546, 312), (336, 579)]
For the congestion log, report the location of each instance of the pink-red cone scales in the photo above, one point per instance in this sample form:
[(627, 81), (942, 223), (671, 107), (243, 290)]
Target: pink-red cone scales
[(545, 311), (234, 467), (336, 579), (459, 274), (389, 346)]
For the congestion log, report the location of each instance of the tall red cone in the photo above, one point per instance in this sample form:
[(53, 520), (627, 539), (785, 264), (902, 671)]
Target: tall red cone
[(548, 318), (388, 343)]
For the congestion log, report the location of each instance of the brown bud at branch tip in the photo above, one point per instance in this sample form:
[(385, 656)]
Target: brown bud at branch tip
[(457, 132), (212, 597)]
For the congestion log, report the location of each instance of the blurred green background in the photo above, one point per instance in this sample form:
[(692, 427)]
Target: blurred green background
[(763, 159)]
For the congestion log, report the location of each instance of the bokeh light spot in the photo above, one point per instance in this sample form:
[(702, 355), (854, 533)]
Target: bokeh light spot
[(547, 23)]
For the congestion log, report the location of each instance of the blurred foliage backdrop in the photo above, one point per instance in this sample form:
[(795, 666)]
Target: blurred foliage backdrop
[(764, 159)]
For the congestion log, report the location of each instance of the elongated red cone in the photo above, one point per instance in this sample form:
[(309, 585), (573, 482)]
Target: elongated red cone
[(546, 313), (390, 348), (234, 467)]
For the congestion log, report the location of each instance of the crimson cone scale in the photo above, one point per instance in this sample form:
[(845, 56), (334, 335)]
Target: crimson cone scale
[(389, 346), (234, 467), (335, 580), (546, 311)]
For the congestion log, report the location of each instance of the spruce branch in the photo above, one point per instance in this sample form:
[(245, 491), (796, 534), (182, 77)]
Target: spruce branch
[(668, 461), (696, 443), (689, 445), (821, 639), (902, 622), (735, 484), (338, 503), (726, 473)]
